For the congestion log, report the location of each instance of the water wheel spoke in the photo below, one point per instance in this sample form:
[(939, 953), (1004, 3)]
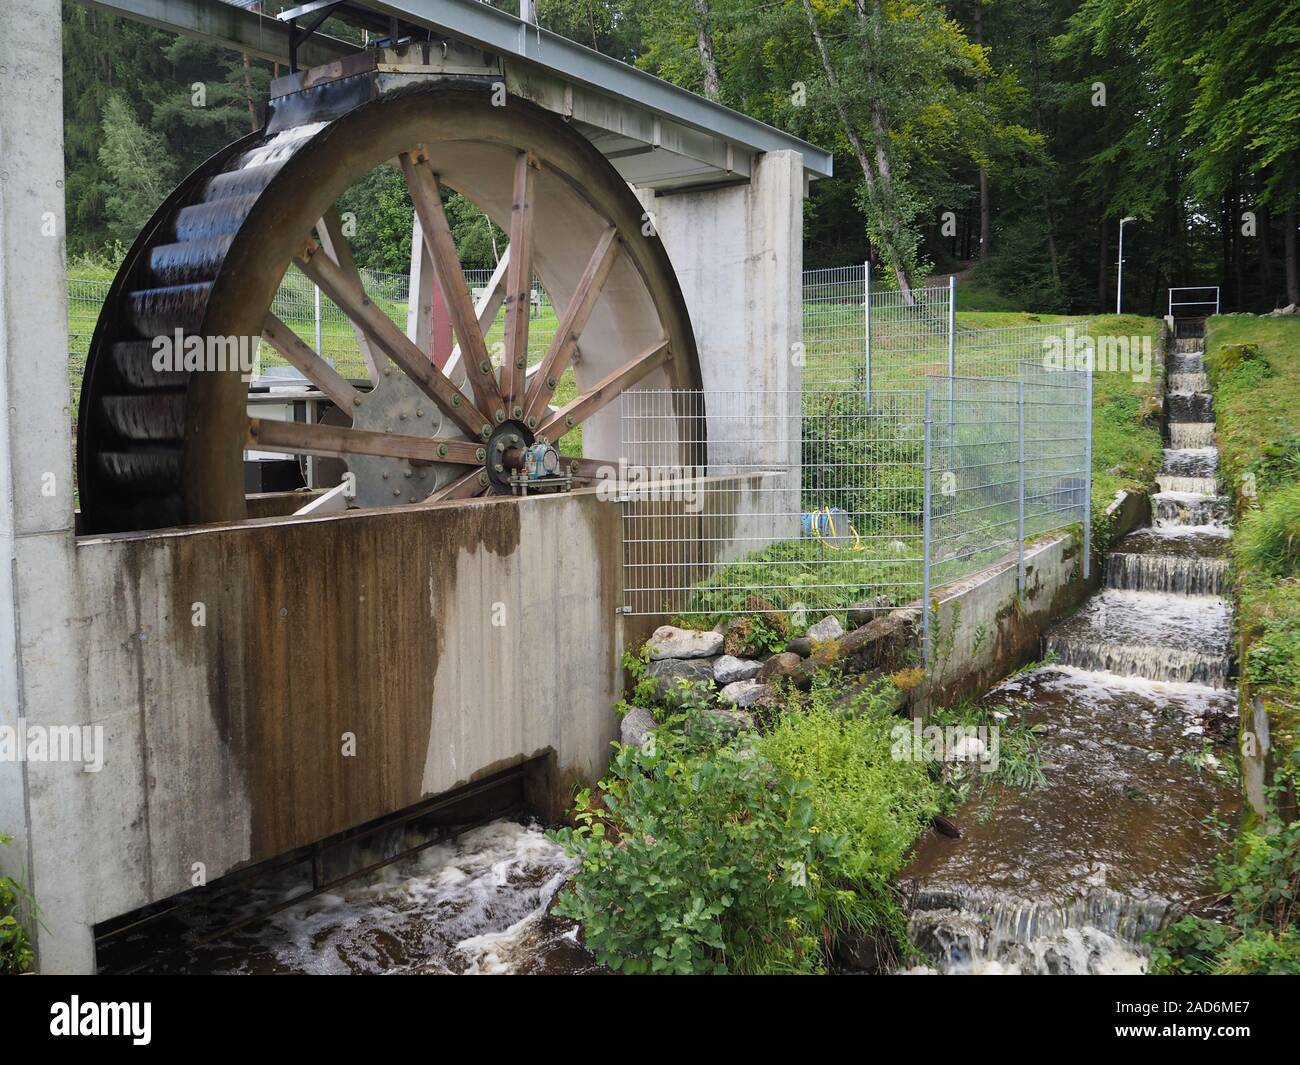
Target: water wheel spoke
[(423, 186), (519, 284), (485, 309), (304, 358), (560, 352), (467, 486), (391, 340), (606, 390), (330, 232), (307, 438)]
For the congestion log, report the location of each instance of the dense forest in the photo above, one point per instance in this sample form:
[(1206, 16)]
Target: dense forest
[(1006, 138)]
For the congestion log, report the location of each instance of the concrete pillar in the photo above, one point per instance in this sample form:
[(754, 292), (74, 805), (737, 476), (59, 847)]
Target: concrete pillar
[(40, 661), (738, 255)]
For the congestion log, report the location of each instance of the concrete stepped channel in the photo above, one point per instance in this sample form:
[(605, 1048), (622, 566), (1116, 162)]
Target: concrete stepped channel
[(1135, 711)]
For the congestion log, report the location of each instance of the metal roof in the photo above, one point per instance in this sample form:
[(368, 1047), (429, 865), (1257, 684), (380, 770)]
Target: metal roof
[(657, 135)]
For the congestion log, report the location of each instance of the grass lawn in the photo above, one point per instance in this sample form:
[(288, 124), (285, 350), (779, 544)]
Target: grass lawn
[(1257, 409)]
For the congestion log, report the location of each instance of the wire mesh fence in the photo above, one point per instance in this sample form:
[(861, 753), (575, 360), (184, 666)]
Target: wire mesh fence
[(836, 501), (1008, 462), (797, 502), (860, 335)]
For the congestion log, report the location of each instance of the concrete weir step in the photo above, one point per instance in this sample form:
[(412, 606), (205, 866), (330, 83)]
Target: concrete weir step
[(1174, 561), (1154, 635), (1189, 382), (1189, 509), (1191, 434)]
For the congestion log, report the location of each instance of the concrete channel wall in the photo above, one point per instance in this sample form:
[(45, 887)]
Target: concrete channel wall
[(264, 685), (983, 628)]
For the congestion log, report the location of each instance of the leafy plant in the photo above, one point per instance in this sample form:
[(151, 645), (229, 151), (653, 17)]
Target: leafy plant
[(697, 863), (1262, 933), (859, 792), (16, 954)]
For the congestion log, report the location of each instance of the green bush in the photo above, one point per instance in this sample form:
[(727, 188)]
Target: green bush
[(1262, 935), (15, 948), (860, 793), (753, 856), (697, 863)]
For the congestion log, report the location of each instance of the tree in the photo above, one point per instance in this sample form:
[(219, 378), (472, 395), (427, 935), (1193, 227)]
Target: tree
[(138, 169)]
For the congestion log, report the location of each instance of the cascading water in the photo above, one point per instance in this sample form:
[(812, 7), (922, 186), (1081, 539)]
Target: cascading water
[(475, 904), (1070, 876)]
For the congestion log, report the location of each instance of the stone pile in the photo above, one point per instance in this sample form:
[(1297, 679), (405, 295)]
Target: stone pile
[(731, 663)]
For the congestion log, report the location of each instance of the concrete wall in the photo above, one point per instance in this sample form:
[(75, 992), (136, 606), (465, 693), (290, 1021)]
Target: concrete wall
[(738, 255), (982, 630), (40, 631)]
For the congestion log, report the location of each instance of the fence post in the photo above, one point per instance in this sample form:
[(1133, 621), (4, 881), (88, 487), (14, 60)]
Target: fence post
[(952, 349), (1020, 491), (866, 304), (925, 537), (1087, 469), (319, 350)]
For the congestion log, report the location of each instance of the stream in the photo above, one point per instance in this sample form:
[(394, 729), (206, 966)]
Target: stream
[(1136, 717)]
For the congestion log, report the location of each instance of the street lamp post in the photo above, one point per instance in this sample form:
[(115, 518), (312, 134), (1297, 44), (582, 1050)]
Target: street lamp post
[(1119, 274)]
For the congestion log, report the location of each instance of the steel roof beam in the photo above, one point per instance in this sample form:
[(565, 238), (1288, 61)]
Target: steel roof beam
[(223, 24)]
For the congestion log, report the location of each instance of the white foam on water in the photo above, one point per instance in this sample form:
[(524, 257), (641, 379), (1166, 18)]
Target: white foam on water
[(467, 905)]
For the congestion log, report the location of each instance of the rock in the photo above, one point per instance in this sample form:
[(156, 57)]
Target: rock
[(728, 669), (945, 827), (968, 749), (800, 645), (669, 671), (756, 604), (637, 724), (868, 610), (861, 952), (828, 628), (668, 641), (880, 641), (1290, 308), (744, 692), (720, 723), (787, 666)]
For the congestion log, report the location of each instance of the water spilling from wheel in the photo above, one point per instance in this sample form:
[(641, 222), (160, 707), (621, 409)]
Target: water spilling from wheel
[(476, 904)]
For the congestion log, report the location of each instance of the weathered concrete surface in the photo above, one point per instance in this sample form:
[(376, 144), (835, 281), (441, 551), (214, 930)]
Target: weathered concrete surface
[(981, 629), (40, 653), (738, 255), (443, 643)]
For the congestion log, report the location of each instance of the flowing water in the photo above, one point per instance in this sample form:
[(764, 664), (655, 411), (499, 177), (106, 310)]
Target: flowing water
[(1135, 714), (473, 905)]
